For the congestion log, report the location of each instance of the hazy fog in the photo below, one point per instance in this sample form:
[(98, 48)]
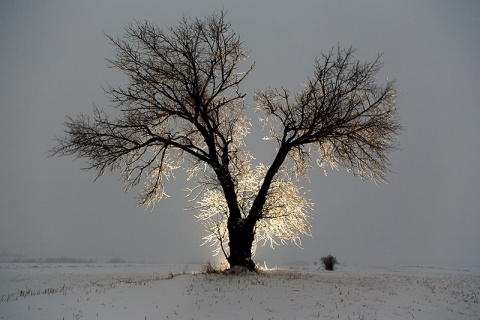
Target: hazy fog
[(52, 65)]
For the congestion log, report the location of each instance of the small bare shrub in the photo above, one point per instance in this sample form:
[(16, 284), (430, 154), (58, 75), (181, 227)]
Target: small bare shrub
[(329, 262)]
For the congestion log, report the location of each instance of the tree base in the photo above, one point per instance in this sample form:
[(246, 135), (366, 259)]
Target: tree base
[(247, 265), (241, 236)]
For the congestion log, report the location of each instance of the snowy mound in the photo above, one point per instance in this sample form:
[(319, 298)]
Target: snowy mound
[(31, 291)]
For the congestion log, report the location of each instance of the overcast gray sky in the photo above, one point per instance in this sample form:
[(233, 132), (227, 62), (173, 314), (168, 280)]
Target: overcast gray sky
[(52, 65)]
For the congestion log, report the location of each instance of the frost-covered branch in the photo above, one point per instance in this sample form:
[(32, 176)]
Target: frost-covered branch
[(342, 111), (284, 217)]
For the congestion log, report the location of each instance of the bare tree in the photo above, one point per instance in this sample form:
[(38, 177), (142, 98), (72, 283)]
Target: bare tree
[(182, 108)]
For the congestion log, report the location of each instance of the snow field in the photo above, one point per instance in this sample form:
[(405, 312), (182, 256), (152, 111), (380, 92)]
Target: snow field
[(148, 292)]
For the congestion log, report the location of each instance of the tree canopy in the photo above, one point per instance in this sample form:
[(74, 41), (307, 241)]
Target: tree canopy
[(183, 108)]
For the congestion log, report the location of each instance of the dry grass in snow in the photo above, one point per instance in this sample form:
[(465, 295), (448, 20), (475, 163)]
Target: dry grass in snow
[(179, 292)]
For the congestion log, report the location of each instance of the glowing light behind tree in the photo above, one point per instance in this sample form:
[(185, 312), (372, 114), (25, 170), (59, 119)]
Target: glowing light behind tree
[(284, 217)]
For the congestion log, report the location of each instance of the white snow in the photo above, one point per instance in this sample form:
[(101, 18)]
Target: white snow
[(102, 291)]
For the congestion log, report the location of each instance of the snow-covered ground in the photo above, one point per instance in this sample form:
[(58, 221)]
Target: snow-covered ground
[(145, 292)]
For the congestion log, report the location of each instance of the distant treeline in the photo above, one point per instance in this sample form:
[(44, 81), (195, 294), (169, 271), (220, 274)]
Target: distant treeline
[(55, 260), (116, 260)]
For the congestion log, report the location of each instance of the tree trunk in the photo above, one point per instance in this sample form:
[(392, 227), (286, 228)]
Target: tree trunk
[(241, 234)]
